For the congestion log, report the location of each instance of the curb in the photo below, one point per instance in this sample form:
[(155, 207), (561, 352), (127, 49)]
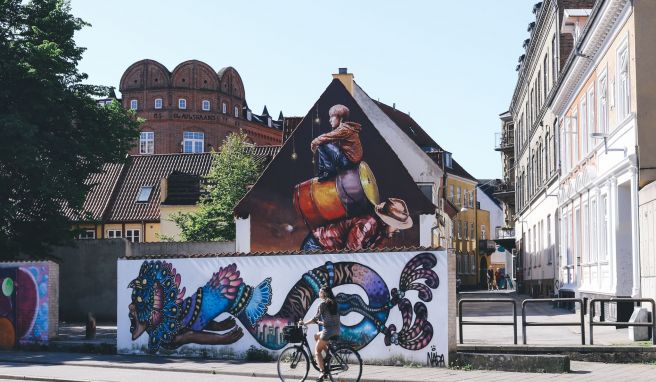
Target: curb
[(158, 368)]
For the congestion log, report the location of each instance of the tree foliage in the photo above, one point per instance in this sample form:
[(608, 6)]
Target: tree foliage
[(53, 133), (233, 170)]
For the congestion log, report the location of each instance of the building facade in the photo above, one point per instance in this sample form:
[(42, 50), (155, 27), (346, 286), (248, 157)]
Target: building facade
[(192, 109), (599, 107), (535, 143)]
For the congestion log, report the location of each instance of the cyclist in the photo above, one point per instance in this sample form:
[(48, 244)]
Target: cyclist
[(327, 316)]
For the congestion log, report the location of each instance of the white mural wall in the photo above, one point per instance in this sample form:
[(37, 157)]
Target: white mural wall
[(393, 305)]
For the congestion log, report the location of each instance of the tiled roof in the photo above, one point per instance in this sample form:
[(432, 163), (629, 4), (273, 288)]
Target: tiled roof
[(114, 196), (99, 196), (421, 138), (148, 171)]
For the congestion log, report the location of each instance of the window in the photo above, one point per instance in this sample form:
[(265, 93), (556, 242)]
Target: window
[(236, 111), (549, 249), (466, 231), (602, 93), (623, 90), (554, 61), (471, 199), (591, 115), (458, 199), (224, 108), (193, 142), (593, 230), (483, 237), (585, 220), (564, 152), (144, 194), (584, 128), (182, 104), (269, 122), (205, 105), (603, 229), (147, 142), (448, 162), (459, 229), (545, 65), (427, 190), (451, 193), (87, 234), (133, 235), (158, 103), (114, 234), (472, 231), (134, 104), (575, 141)]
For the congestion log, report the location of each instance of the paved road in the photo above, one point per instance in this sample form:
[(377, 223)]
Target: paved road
[(85, 367)]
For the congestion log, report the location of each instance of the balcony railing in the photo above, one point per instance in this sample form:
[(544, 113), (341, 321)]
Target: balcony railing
[(505, 233), (504, 141)]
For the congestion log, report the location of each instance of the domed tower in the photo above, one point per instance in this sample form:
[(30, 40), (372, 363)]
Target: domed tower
[(191, 109)]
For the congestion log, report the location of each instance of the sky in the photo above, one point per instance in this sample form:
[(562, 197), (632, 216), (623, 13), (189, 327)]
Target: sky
[(449, 64)]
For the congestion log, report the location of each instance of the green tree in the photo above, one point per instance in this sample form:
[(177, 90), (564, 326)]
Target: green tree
[(53, 133), (233, 169)]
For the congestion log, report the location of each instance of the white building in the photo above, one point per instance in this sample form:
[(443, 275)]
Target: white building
[(597, 123)]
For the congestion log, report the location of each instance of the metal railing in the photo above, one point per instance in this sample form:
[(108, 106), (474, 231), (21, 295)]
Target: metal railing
[(581, 323), (651, 324), (487, 300)]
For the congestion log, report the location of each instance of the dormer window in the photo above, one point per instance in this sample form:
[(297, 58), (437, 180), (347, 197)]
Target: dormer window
[(573, 22), (269, 122), (144, 194), (249, 115), (448, 161)]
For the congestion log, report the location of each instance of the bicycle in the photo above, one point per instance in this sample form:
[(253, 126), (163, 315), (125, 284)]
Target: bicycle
[(342, 362)]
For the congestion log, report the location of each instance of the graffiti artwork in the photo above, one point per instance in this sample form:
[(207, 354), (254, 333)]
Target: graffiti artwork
[(336, 184), (226, 306), (23, 305)]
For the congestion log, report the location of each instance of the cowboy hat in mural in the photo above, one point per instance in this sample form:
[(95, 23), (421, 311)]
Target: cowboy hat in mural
[(362, 231), (394, 213)]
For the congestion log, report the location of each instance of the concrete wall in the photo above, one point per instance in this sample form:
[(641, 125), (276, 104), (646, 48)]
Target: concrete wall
[(88, 272), (88, 279)]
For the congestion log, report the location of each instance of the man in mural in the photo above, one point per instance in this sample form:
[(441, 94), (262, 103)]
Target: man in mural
[(361, 232), (340, 148)]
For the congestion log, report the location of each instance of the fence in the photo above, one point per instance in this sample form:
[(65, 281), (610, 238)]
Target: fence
[(651, 324), (479, 300), (558, 301)]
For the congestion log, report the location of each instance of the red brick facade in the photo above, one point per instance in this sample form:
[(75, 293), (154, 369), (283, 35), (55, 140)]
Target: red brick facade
[(194, 82)]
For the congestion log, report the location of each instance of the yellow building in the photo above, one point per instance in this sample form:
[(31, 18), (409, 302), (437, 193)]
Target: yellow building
[(134, 200)]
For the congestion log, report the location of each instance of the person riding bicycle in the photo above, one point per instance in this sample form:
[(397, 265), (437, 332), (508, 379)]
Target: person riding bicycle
[(327, 316)]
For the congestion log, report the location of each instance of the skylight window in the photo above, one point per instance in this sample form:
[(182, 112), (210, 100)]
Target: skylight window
[(144, 194)]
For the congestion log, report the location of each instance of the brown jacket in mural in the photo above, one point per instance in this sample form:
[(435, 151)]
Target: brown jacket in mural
[(347, 137)]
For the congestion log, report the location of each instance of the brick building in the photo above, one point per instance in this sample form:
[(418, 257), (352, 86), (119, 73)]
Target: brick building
[(193, 108)]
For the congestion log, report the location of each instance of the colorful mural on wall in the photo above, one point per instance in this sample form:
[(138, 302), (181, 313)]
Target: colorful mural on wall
[(155, 316), (23, 304), (335, 184)]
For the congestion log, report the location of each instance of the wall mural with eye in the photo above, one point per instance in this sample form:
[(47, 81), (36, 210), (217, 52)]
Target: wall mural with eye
[(392, 304)]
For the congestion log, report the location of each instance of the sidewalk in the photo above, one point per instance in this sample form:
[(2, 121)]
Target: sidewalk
[(581, 371)]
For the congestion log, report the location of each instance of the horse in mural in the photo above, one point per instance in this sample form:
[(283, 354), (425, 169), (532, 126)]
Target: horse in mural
[(159, 307)]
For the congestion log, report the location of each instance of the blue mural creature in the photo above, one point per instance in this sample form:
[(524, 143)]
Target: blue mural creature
[(160, 309)]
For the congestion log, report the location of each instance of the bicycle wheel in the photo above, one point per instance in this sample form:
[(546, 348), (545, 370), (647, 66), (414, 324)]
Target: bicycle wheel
[(293, 364), (344, 365)]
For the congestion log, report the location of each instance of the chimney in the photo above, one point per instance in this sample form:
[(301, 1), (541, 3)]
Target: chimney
[(346, 78)]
